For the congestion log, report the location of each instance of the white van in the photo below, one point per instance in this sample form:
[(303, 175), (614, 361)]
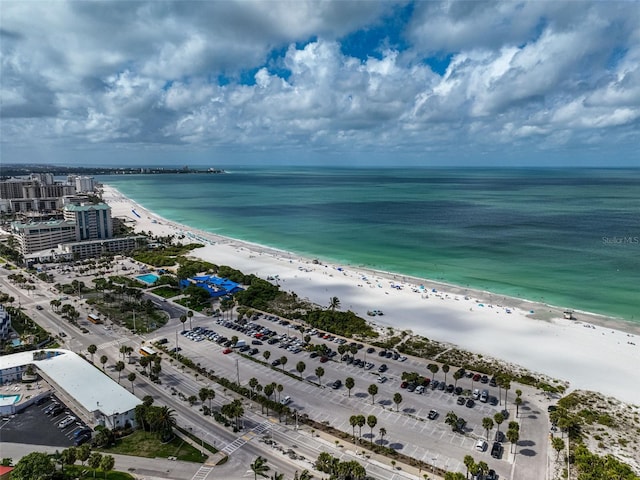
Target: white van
[(67, 421)]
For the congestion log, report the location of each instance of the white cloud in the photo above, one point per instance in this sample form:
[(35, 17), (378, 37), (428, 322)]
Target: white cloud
[(258, 75)]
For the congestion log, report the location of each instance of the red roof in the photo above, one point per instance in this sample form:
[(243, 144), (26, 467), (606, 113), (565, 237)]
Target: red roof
[(4, 470)]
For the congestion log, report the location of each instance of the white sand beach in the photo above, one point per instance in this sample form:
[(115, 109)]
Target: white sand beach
[(592, 352)]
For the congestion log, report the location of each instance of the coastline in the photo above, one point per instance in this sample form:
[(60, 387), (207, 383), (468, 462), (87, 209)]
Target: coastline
[(593, 352)]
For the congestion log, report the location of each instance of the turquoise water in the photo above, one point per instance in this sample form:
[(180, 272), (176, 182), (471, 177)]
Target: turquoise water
[(148, 278), (9, 399), (567, 237)]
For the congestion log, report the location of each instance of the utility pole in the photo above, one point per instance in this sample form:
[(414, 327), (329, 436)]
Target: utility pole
[(237, 372)]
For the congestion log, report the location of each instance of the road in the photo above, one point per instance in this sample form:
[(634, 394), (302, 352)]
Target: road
[(408, 429)]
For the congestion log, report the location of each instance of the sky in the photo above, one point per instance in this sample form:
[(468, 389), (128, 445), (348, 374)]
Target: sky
[(362, 83)]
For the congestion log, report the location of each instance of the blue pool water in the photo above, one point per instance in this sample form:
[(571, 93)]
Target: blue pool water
[(9, 399), (148, 278)]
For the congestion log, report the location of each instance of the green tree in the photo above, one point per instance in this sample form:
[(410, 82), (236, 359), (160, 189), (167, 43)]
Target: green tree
[(513, 436), (319, 373), (83, 453), (206, 394), (103, 361), (266, 354), (334, 304), (349, 383), (33, 466), (253, 383), (106, 464), (445, 369), (283, 362), (300, 367), (132, 378), (353, 421), (373, 391), (499, 418), (190, 316), (518, 402), (487, 424), (68, 457), (433, 368), (397, 399), (383, 432), (92, 349), (119, 368), (94, 461), (183, 320), (469, 462), (558, 445), (372, 421), (452, 420), (457, 375), (361, 421), (260, 467)]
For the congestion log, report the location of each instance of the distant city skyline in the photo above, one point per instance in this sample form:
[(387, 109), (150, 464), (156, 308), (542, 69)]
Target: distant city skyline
[(337, 83)]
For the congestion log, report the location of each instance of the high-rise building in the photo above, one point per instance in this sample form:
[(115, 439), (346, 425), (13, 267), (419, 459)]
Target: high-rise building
[(93, 220), (39, 236)]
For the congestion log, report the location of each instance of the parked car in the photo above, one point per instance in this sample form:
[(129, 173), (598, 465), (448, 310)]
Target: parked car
[(286, 400), (382, 379), (481, 445), (336, 385), (82, 439), (496, 450), (227, 350), (433, 414), (382, 368), (419, 389), (68, 420), (470, 403), (499, 436), (460, 401)]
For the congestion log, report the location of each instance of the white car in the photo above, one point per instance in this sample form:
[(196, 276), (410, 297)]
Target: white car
[(419, 389), (66, 422), (481, 445), (286, 400), (382, 379)]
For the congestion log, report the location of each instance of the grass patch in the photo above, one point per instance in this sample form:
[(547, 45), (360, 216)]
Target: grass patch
[(166, 292), (145, 444), (76, 471)]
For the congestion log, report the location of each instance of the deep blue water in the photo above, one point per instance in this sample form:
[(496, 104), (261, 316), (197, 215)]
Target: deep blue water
[(568, 237)]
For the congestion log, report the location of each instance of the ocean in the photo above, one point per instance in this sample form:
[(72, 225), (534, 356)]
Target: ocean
[(565, 237)]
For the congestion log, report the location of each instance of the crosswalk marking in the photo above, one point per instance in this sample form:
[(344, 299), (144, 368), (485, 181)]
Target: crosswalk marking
[(239, 442), (202, 473)]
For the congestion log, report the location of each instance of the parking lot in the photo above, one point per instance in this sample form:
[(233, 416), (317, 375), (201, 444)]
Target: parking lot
[(408, 427), (33, 426)]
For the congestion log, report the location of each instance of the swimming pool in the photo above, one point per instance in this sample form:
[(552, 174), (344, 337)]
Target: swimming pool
[(9, 400), (149, 278)]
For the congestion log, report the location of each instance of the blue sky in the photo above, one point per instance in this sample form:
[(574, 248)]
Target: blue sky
[(334, 82)]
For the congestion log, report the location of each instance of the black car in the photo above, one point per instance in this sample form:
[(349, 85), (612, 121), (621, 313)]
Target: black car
[(276, 362), (389, 354), (484, 379), (382, 353), (336, 385), (411, 387), (253, 351), (460, 401), (499, 436), (256, 342), (470, 403), (450, 388), (493, 382), (313, 354), (492, 475), (81, 439), (382, 368), (496, 450), (458, 391), (371, 350)]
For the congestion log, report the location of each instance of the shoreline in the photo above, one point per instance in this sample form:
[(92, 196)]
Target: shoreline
[(483, 322)]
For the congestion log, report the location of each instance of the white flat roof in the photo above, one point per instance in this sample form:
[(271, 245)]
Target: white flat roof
[(87, 384)]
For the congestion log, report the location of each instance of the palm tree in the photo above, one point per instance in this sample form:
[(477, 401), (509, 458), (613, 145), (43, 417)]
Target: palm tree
[(334, 303), (349, 383), (268, 391), (266, 354), (558, 445), (123, 351), (319, 373), (119, 368), (190, 316), (283, 362), (277, 476), (499, 418), (469, 462), (373, 391), (183, 319), (103, 361), (457, 375), (487, 424), (513, 436), (206, 394), (305, 475), (483, 468), (397, 399), (165, 421), (360, 422), (518, 402), (445, 369), (92, 349), (353, 421), (132, 378), (260, 467), (452, 420), (279, 388), (372, 421), (300, 367), (383, 432), (433, 368), (253, 383)]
